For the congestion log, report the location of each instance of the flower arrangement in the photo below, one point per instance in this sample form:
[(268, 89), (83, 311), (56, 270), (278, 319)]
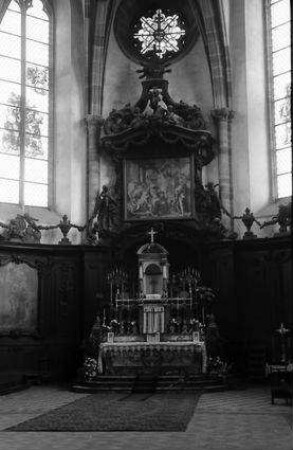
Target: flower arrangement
[(206, 294), (218, 367), (90, 368), (114, 325)]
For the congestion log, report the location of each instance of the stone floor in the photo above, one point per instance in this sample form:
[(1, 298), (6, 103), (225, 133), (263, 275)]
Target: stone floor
[(229, 420)]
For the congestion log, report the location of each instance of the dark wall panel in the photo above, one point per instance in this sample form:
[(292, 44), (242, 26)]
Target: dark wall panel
[(253, 279)]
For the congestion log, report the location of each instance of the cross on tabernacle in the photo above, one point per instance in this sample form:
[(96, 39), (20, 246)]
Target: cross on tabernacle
[(152, 234)]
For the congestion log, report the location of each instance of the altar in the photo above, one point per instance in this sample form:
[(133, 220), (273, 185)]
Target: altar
[(161, 329), (128, 358)]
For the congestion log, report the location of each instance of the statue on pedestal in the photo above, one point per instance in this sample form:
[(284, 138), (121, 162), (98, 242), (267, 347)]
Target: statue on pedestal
[(102, 219), (283, 218)]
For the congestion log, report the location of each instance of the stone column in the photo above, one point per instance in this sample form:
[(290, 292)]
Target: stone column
[(223, 117), (94, 124)]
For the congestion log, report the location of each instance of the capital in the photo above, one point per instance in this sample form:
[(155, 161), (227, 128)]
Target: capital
[(223, 114), (94, 122)]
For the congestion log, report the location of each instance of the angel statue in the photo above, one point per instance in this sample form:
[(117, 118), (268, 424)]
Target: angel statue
[(102, 218)]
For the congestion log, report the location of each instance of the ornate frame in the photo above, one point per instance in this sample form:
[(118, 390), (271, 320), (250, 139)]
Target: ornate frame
[(42, 266), (158, 188)]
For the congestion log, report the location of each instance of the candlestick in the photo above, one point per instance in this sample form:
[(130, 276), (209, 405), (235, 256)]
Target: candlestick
[(164, 272)]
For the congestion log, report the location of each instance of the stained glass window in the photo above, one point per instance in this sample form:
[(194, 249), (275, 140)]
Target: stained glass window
[(279, 17), (25, 103), (160, 34)]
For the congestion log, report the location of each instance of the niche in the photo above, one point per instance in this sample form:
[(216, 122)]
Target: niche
[(154, 279)]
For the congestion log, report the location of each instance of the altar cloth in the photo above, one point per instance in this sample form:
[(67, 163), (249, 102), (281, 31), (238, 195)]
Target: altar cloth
[(122, 357)]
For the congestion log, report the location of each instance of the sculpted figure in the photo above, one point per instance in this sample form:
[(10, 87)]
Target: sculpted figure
[(157, 103), (213, 204), (104, 211), (283, 218), (173, 117), (23, 228), (137, 119)]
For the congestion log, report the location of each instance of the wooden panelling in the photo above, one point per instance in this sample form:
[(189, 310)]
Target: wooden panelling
[(253, 279)]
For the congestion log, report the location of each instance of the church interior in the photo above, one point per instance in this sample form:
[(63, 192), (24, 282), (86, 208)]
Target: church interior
[(145, 212)]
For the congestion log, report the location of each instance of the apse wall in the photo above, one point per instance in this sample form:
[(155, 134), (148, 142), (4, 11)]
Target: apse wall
[(70, 103), (189, 81), (122, 84), (251, 147)]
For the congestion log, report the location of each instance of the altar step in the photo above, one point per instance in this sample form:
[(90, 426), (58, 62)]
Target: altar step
[(12, 382), (196, 382), (150, 384), (145, 384), (105, 383)]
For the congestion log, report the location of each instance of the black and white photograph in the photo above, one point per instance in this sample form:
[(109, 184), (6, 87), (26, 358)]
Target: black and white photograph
[(145, 225)]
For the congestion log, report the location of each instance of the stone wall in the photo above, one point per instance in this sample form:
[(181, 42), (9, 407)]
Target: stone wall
[(190, 80)]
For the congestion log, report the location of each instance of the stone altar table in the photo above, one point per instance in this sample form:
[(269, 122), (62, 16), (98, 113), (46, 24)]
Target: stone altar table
[(158, 358)]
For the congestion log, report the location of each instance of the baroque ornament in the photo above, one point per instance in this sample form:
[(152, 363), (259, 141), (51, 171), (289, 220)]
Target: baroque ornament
[(156, 114), (283, 218)]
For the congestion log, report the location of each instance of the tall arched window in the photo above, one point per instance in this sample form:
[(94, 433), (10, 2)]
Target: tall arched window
[(280, 75), (26, 112)]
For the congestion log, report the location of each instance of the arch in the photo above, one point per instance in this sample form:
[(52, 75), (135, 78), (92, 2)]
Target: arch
[(129, 12), (209, 15), (153, 269), (3, 6), (78, 41), (212, 26), (99, 32)]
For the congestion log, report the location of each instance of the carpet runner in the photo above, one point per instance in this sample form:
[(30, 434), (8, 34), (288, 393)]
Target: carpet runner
[(118, 412)]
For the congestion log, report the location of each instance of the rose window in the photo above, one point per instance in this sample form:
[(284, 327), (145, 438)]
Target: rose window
[(160, 34)]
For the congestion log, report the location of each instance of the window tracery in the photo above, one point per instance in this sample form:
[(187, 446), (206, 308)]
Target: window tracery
[(280, 68), (25, 103), (160, 34)]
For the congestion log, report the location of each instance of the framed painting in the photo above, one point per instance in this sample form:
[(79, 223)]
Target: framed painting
[(19, 298), (158, 188)]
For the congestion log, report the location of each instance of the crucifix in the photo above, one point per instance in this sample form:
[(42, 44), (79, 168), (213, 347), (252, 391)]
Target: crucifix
[(152, 234), (283, 331)]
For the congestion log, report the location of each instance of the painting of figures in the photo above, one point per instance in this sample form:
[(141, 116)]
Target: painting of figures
[(158, 189), (19, 298)]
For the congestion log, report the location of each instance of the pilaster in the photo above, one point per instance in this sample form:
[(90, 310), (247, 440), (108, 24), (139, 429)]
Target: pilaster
[(94, 123), (223, 117)]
